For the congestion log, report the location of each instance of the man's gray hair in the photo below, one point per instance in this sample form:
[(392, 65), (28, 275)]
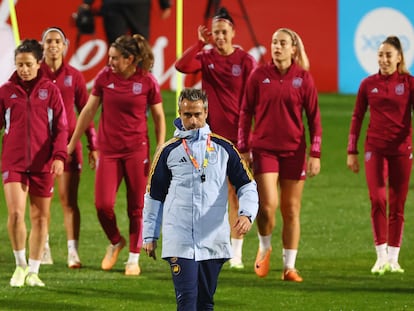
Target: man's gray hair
[(192, 94)]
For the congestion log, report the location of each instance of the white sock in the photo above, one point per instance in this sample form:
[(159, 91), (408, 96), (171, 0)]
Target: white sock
[(47, 241), (393, 253), (20, 258), (34, 266), (133, 257), (237, 246), (72, 246), (265, 242), (381, 251), (289, 258)]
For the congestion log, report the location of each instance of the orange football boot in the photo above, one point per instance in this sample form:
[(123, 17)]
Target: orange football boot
[(111, 255), (291, 275), (262, 264)]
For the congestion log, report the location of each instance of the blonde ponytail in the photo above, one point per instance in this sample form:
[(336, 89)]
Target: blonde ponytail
[(300, 56)]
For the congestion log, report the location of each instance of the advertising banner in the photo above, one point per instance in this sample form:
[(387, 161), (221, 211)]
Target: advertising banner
[(255, 22), (363, 25)]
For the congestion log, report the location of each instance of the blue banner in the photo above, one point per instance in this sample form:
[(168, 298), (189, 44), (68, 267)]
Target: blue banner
[(363, 25)]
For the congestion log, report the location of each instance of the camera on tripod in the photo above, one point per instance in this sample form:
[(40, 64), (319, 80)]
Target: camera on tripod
[(84, 20)]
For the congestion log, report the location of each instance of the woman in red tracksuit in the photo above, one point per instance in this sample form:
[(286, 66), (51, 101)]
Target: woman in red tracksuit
[(34, 152), (224, 69), (276, 96), (389, 94), (125, 90), (72, 87)]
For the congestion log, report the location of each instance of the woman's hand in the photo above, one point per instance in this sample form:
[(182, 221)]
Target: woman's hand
[(204, 34), (93, 159), (314, 166), (352, 162), (57, 167)]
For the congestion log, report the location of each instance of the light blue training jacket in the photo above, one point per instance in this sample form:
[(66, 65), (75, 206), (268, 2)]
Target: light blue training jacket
[(193, 214)]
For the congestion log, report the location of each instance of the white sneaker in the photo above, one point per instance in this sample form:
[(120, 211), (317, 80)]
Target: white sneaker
[(395, 268), (380, 267), (19, 275), (32, 279), (236, 264), (132, 268), (46, 257), (74, 261)]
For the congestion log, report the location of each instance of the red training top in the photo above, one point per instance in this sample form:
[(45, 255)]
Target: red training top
[(72, 86), (123, 122), (35, 126), (390, 99), (223, 78), (277, 103)]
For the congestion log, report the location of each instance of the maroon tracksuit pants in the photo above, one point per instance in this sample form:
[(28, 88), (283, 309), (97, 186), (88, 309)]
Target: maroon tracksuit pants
[(393, 173)]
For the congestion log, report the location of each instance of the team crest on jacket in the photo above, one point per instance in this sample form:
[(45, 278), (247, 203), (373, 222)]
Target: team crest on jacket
[(43, 94), (399, 89), (68, 81), (137, 88), (212, 157), (297, 82), (236, 70), (175, 269)]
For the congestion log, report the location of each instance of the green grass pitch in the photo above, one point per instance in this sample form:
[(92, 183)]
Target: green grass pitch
[(335, 255)]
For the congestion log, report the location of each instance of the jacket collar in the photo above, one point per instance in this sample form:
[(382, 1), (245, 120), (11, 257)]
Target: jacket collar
[(192, 135)]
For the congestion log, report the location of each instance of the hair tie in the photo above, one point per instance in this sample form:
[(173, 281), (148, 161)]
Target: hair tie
[(221, 19), (57, 30)]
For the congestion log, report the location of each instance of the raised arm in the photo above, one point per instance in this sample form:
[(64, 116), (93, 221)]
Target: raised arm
[(188, 63)]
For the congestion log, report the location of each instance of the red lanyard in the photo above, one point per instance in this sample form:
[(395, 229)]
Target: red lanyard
[(194, 160)]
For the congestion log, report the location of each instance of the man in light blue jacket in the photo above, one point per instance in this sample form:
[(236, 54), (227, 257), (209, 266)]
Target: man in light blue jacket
[(187, 197)]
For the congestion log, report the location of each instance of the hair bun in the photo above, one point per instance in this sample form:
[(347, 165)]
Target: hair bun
[(222, 13)]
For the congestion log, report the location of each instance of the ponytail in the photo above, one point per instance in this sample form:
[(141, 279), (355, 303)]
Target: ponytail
[(300, 56)]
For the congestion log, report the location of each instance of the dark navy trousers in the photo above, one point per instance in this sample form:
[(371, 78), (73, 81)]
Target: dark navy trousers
[(195, 282)]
